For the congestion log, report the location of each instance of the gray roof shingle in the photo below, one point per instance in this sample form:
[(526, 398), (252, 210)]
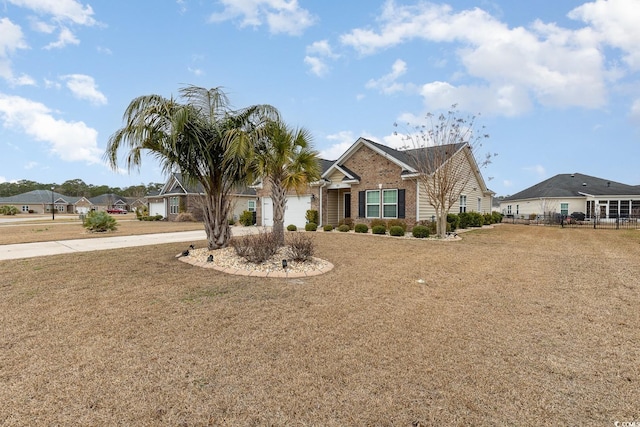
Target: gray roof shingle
[(575, 185)]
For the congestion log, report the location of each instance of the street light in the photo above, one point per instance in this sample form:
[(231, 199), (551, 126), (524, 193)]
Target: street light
[(53, 210)]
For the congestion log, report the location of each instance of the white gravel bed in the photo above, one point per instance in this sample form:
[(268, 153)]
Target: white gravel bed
[(227, 258)]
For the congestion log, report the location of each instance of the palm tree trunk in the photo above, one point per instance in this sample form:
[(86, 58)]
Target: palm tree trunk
[(279, 196), (216, 223)]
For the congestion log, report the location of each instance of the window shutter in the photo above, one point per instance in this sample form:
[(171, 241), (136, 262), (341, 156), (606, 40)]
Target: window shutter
[(401, 204), (361, 203)]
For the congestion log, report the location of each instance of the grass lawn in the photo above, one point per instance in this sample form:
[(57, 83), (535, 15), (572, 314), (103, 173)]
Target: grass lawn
[(515, 325)]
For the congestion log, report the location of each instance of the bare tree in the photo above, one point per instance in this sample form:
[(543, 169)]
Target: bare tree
[(442, 153)]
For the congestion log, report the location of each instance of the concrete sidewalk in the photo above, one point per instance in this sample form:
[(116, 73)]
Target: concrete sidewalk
[(30, 250)]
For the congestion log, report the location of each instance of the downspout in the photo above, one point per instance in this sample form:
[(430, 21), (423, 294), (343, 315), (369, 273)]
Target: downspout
[(320, 195)]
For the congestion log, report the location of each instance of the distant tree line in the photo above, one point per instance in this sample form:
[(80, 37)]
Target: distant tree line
[(77, 188)]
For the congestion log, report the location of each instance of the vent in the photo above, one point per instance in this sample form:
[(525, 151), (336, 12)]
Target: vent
[(584, 184)]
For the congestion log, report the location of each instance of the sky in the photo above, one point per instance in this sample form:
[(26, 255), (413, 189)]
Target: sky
[(555, 84)]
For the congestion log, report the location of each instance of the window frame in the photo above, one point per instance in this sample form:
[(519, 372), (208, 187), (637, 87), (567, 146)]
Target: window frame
[(394, 204), (463, 203), (375, 204)]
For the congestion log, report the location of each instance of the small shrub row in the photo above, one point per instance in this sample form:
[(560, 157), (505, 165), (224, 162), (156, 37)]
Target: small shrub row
[(378, 229), (292, 227), (327, 227), (396, 230), (344, 228), (361, 228), (420, 231), (150, 218), (346, 221), (311, 226)]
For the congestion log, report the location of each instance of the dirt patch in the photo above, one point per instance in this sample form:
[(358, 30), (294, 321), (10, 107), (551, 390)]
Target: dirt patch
[(515, 325)]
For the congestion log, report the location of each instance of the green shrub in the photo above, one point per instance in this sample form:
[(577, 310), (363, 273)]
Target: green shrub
[(396, 230), (361, 228), (99, 221), (312, 216), (8, 210), (397, 223), (379, 229), (344, 228), (311, 226), (465, 220), (300, 246), (420, 231), (497, 217), (453, 221), (327, 227), (246, 218), (378, 223), (346, 221), (292, 227), (488, 219), (477, 219), (231, 221)]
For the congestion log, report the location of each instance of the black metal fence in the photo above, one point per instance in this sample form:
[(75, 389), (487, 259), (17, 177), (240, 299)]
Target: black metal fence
[(628, 223)]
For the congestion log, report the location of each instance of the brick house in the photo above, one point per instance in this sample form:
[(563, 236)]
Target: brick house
[(371, 180)]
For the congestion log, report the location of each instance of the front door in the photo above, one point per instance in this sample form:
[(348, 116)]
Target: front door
[(347, 205)]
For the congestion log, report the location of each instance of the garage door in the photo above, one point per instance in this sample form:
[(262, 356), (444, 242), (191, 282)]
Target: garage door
[(295, 213), (157, 208)]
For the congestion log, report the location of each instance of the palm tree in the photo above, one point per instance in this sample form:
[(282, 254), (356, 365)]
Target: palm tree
[(286, 160), (206, 140)]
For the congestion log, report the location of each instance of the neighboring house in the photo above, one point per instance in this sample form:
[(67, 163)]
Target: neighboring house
[(109, 201), (176, 197), (568, 193), (371, 180), (137, 203), (43, 201)]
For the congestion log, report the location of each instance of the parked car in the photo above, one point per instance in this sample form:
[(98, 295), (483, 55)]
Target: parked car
[(116, 211)]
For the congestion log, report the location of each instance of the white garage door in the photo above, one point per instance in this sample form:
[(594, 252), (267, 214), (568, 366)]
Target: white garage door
[(295, 213), (157, 208)]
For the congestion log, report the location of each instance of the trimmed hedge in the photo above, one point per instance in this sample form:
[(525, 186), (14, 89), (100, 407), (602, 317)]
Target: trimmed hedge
[(396, 230), (311, 226), (344, 228), (361, 228), (292, 227), (379, 229), (327, 227), (420, 231)]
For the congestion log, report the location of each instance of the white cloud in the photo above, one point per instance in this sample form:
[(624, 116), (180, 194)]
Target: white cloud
[(317, 55), (634, 113), (31, 165), (341, 142), (66, 37), (70, 141), (555, 66), (196, 71), (387, 83), (316, 65), (60, 10), (281, 16), (84, 87), (614, 22), (12, 39), (538, 170)]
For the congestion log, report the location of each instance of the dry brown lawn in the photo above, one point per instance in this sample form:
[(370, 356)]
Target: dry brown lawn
[(516, 325), (70, 227)]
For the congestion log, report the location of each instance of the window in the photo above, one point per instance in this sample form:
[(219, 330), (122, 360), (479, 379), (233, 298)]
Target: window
[(60, 208), (479, 204), (174, 205), (25, 208), (251, 205), (463, 204), (564, 208), (389, 203), (508, 209), (373, 204)]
